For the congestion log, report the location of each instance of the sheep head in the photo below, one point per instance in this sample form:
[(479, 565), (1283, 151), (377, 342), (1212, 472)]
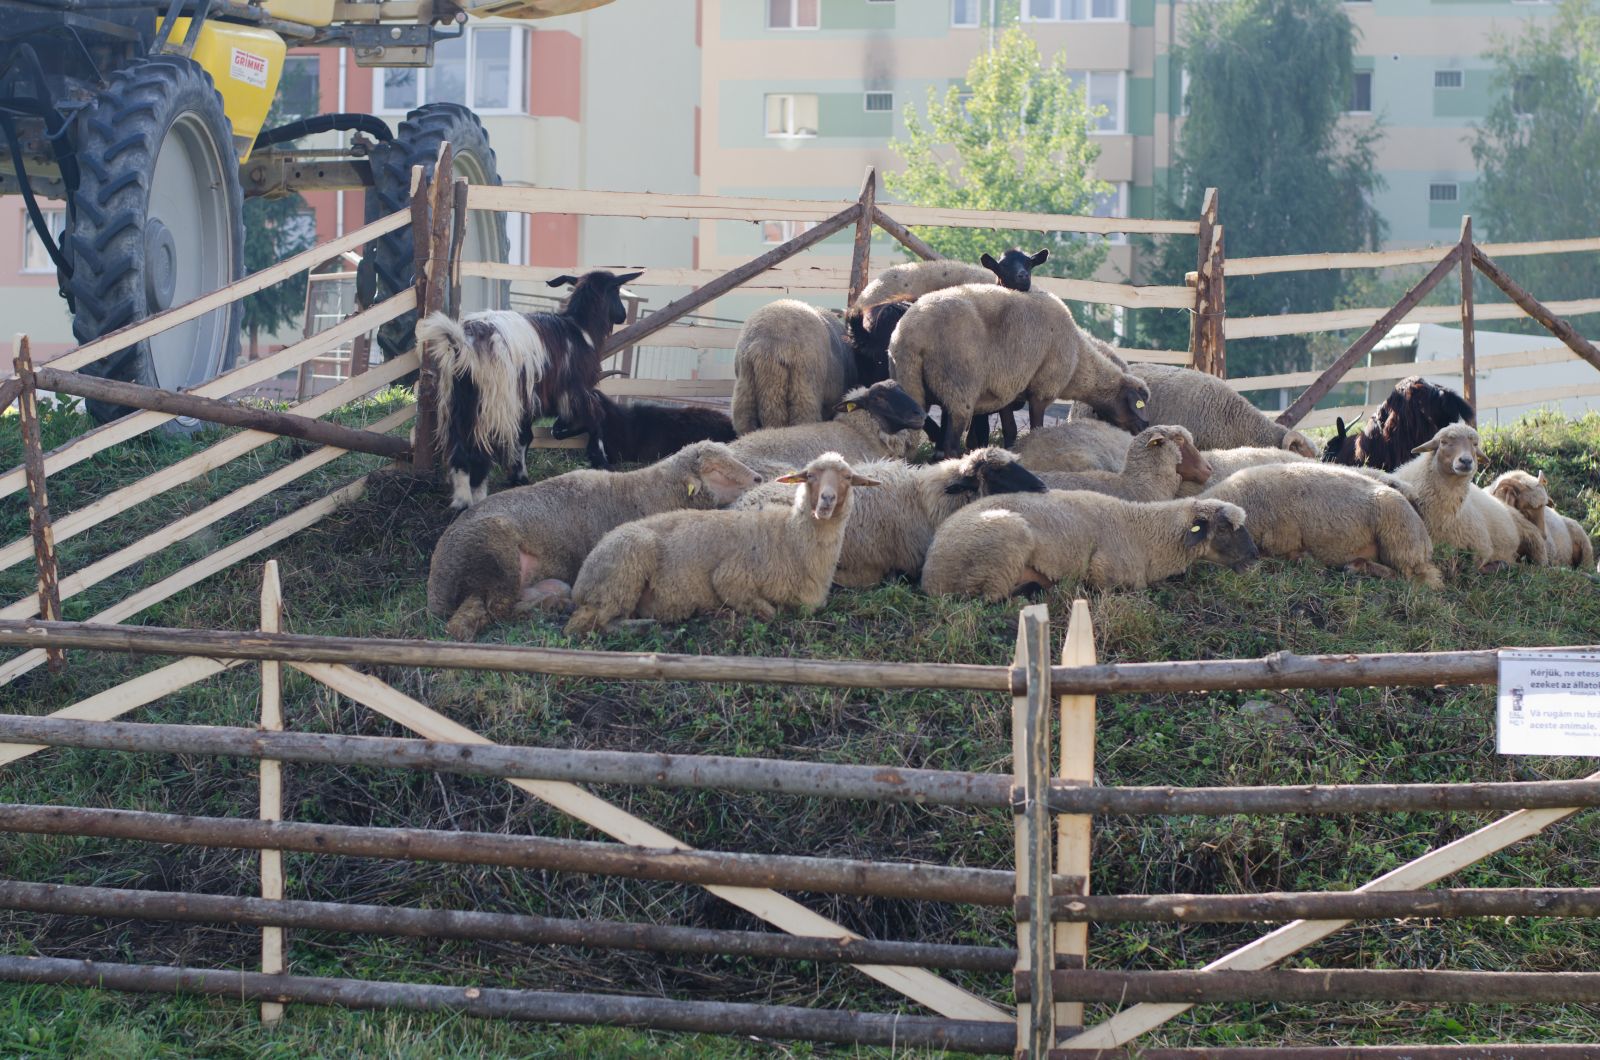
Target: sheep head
[(1298, 443), (1170, 447), (1216, 533), (1456, 450), (825, 485), (1523, 493), (1341, 447), (1015, 267), (717, 473), (869, 329), (886, 402), (598, 286), (986, 472), (1127, 410)]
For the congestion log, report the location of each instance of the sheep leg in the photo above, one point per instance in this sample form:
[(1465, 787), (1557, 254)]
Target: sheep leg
[(1036, 406), (1008, 427), (736, 593), (978, 433), (933, 430), (1371, 567), (519, 459), (470, 619), (957, 423), (551, 594), (1492, 566)]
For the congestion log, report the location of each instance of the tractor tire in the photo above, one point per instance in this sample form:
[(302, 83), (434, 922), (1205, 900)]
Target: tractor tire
[(417, 144), (156, 221)]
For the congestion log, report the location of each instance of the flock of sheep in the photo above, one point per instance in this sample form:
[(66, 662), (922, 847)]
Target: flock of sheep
[(1156, 469)]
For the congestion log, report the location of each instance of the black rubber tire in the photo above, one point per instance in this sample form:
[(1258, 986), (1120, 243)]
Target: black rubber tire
[(118, 139), (417, 143)]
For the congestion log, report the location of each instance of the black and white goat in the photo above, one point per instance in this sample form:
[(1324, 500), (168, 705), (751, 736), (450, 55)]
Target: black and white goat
[(644, 432), (500, 370)]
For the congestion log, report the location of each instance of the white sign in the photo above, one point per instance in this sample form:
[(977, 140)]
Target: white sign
[(249, 68), (1549, 703)]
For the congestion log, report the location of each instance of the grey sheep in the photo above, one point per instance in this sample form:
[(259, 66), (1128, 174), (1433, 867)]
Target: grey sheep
[(893, 524), (1159, 461), (678, 564), (917, 278), (1334, 515), (1225, 462), (1217, 415), (1567, 543), (870, 423), (1460, 514), (791, 365), (1003, 545), (977, 348), (520, 547), (1078, 445)]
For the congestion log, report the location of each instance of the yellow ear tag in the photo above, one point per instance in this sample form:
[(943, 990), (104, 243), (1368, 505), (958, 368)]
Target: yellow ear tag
[(850, 406), (1138, 404), (694, 488), (1195, 529)]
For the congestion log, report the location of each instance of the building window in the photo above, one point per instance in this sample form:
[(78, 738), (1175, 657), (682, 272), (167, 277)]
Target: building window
[(1183, 93), (1103, 88), (1072, 11), (297, 88), (1448, 79), (35, 258), (783, 231), (1444, 192), (792, 115), (1361, 93), (878, 102), (964, 14), (482, 69), (792, 14), (1113, 204)]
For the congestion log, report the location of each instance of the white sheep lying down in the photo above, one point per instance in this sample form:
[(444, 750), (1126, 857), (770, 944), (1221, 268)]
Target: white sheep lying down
[(1078, 445), (1460, 514), (1218, 416), (1333, 514), (894, 523), (678, 564), (869, 424), (1567, 543), (1003, 545), (1160, 461)]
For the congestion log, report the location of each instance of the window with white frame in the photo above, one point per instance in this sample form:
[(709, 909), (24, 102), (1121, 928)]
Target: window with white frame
[(1113, 204), (792, 115), (35, 258), (1103, 88), (792, 14), (1444, 192), (1183, 93), (483, 69), (1448, 79), (1361, 93), (783, 231), (878, 102), (964, 14), (1072, 11)]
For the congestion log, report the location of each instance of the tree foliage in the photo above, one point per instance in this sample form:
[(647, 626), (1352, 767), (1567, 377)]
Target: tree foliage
[(1269, 81), (1538, 149), (1020, 141), (275, 229)]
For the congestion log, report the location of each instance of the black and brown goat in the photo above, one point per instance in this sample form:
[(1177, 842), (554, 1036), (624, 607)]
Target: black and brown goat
[(1413, 413)]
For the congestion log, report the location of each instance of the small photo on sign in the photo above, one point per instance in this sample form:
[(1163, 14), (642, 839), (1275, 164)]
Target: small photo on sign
[(1549, 703)]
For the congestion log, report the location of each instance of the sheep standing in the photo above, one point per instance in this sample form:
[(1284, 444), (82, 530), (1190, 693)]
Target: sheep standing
[(870, 423), (1003, 545), (1567, 543), (976, 349), (894, 524), (1080, 445), (917, 278), (521, 546), (792, 364), (1459, 514), (644, 431), (1216, 414), (678, 564), (1334, 515), (1158, 462)]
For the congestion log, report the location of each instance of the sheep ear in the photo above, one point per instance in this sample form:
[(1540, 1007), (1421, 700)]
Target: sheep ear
[(848, 406), (628, 277), (1426, 447), (791, 477), (862, 480), (1482, 457), (1339, 422), (559, 281), (969, 484), (1039, 259), (1541, 478), (1154, 441), (989, 263)]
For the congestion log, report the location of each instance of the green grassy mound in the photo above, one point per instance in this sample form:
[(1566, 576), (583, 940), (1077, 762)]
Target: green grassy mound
[(362, 572)]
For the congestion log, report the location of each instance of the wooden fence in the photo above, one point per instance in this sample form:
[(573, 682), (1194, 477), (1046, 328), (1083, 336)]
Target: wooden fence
[(1051, 791)]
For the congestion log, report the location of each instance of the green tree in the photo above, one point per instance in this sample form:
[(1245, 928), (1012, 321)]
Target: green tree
[(275, 229), (1019, 139), (1538, 150), (1269, 81)]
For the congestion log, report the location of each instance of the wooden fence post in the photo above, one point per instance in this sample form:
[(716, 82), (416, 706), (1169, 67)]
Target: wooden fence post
[(1469, 338), (44, 537), (422, 435), (1535, 308), (272, 962), (1206, 336), (860, 257), (1075, 831), (1030, 755), (458, 239)]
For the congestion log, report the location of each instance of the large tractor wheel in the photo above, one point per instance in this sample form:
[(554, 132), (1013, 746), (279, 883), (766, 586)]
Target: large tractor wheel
[(157, 221), (417, 143)]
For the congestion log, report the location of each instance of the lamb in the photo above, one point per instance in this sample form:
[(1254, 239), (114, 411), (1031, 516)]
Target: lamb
[(917, 278), (870, 423), (792, 364), (1079, 445), (1335, 515), (893, 524), (978, 348), (1213, 411), (1567, 543), (644, 432), (1003, 545), (1460, 514), (521, 547), (677, 564), (1159, 461)]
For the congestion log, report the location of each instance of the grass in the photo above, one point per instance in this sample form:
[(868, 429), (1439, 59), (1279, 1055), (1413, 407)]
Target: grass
[(361, 572)]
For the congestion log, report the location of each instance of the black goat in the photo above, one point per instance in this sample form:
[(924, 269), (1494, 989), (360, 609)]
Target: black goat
[(644, 432), (1015, 267), (1412, 413)]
